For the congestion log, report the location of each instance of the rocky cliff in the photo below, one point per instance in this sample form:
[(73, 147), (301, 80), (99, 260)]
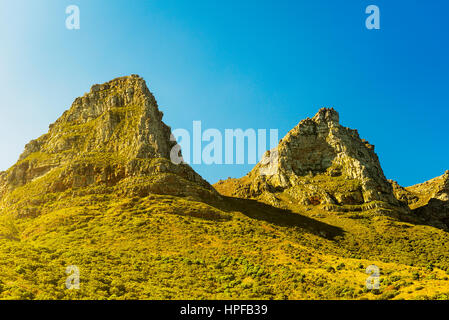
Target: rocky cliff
[(112, 137), (319, 162), (98, 192), (431, 201)]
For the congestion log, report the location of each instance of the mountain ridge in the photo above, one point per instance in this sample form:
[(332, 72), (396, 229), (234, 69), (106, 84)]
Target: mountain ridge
[(99, 192), (111, 136), (321, 147)]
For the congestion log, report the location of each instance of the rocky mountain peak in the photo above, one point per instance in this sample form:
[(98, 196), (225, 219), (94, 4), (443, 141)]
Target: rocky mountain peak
[(320, 162), (110, 136), (119, 116), (327, 116)]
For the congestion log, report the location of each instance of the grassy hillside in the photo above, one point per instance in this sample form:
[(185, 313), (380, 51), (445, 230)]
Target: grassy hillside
[(99, 192), (167, 247)]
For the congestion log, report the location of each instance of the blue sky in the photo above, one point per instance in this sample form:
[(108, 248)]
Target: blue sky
[(240, 64)]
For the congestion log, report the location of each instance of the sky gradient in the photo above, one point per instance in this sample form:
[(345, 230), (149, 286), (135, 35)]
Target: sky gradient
[(240, 64)]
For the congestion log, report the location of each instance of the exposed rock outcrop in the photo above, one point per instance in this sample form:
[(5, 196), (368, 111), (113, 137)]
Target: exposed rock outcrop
[(403, 195), (436, 188), (317, 162), (113, 136), (432, 204)]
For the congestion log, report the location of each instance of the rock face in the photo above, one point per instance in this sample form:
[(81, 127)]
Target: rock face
[(403, 195), (317, 162), (432, 201), (113, 136)]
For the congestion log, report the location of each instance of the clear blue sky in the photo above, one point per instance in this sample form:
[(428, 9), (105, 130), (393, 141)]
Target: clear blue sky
[(248, 64)]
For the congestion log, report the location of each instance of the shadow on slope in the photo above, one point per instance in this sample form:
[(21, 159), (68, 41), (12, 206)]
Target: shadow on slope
[(281, 217), (435, 213)]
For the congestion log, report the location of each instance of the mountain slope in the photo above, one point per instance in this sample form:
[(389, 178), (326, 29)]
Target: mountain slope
[(112, 138), (432, 201), (436, 188), (99, 192), (318, 163)]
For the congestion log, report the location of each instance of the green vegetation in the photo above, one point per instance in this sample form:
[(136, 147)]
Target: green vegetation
[(167, 247), (98, 192)]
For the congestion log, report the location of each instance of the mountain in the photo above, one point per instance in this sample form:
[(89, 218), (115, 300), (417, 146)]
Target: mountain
[(98, 193), (111, 139), (436, 188), (430, 201), (319, 162)]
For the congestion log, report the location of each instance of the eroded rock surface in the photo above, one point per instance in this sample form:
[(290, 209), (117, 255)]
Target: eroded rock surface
[(319, 162), (113, 136), (432, 204)]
